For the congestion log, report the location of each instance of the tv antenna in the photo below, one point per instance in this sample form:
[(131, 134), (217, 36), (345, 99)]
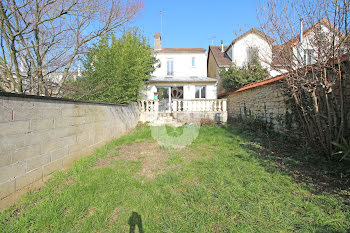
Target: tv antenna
[(161, 22), (212, 39)]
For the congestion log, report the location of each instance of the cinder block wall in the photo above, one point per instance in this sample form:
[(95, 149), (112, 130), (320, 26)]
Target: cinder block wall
[(40, 135), (266, 103)]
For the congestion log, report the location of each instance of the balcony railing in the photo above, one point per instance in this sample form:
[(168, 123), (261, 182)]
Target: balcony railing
[(177, 105), (199, 105)]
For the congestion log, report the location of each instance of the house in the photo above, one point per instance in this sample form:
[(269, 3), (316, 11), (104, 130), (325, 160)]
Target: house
[(241, 51), (301, 50), (180, 84), (312, 45)]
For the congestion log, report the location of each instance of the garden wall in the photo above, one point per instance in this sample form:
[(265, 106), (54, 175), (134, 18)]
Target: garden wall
[(40, 135), (264, 103)]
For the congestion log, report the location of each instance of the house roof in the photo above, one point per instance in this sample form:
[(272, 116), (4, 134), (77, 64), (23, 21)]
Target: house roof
[(191, 79), (180, 50), (295, 40), (252, 30), (281, 56), (220, 58)]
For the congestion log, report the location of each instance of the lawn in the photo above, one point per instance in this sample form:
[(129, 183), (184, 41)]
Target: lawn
[(219, 183)]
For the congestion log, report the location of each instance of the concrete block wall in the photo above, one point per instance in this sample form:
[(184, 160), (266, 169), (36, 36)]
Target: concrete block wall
[(196, 117), (266, 103), (40, 135)]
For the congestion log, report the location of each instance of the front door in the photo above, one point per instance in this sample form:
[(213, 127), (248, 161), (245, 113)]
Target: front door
[(164, 99)]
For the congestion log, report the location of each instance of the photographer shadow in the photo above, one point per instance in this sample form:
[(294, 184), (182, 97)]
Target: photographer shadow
[(135, 220)]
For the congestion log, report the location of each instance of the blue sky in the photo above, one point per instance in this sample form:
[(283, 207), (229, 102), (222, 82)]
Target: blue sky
[(192, 23)]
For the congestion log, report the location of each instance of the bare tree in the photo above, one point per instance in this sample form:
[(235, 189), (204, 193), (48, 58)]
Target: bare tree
[(40, 37), (314, 63)]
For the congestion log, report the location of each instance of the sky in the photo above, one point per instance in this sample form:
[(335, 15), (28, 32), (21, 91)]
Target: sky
[(196, 23)]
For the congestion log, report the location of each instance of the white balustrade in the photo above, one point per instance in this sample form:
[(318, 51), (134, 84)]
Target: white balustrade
[(148, 105), (193, 105), (198, 105)]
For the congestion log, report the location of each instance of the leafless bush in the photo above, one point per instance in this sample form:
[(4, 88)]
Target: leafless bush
[(41, 37), (316, 62)]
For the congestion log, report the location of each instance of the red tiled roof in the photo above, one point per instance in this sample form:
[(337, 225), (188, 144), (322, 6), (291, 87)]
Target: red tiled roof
[(295, 40), (220, 58)]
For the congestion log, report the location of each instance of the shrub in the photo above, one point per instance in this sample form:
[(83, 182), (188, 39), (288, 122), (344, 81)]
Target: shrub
[(234, 77)]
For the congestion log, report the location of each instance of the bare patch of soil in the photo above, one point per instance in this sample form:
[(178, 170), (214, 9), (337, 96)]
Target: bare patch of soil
[(114, 216), (192, 181), (105, 162), (91, 211), (151, 155)]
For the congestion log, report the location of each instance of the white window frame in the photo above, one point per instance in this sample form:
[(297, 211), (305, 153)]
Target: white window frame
[(200, 92), (193, 61), (170, 72)]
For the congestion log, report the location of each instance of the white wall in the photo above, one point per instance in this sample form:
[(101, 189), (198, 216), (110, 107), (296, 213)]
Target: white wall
[(182, 64), (239, 51)]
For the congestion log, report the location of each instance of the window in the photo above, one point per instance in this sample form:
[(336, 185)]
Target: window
[(170, 67), (193, 61), (308, 56), (252, 54), (200, 92)]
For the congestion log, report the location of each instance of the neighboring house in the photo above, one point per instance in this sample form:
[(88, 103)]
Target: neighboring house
[(306, 48), (240, 52), (277, 59), (179, 86)]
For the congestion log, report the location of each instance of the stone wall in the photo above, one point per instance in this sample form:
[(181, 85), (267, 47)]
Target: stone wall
[(265, 103), (40, 135)]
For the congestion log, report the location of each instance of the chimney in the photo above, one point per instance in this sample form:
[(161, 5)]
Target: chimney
[(222, 46), (157, 41), (301, 30)]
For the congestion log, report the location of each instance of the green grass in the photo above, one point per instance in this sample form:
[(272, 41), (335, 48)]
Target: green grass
[(217, 185)]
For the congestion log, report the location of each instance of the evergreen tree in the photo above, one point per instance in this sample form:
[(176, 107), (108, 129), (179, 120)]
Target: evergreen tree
[(116, 69), (235, 77)]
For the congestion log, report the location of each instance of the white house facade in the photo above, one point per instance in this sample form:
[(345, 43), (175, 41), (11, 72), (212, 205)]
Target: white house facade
[(242, 50), (180, 86)]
